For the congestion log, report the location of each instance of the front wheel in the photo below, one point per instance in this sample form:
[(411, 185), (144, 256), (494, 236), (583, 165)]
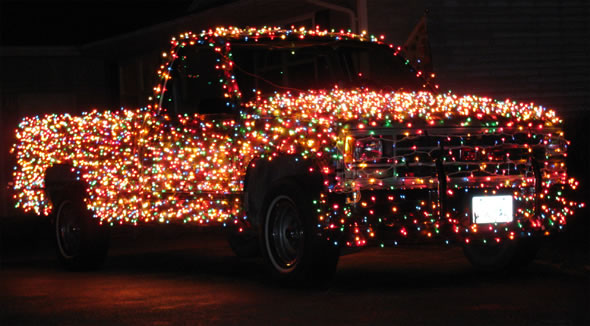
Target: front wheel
[(292, 246), (81, 243)]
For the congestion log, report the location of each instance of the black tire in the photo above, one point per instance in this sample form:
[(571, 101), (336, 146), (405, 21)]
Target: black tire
[(244, 245), (506, 256), (294, 250), (81, 243)]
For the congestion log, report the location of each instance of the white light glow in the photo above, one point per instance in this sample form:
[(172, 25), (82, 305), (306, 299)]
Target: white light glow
[(492, 209)]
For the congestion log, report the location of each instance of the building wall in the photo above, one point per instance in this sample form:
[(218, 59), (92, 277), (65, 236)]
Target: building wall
[(526, 50)]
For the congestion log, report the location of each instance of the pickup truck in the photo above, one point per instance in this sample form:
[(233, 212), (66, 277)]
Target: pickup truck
[(303, 143)]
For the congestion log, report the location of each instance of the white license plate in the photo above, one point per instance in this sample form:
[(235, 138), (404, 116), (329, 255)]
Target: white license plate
[(492, 209)]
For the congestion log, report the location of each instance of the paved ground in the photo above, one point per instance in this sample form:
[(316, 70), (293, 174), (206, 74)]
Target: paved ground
[(191, 277)]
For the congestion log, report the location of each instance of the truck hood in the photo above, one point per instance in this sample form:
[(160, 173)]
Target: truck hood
[(381, 108)]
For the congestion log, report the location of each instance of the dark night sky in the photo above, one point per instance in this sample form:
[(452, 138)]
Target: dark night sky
[(75, 22)]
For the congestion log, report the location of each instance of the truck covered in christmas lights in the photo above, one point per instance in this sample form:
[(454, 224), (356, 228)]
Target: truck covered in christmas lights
[(301, 142)]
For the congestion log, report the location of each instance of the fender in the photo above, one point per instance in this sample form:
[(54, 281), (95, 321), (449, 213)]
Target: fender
[(62, 177), (262, 173)]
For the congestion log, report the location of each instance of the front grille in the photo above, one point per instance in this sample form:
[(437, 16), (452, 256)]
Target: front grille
[(469, 156)]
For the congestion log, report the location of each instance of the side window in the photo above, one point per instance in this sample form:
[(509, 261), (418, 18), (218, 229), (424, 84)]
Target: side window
[(268, 69), (196, 85)]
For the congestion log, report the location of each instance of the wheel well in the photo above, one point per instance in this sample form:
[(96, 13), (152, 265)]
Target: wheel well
[(62, 178), (263, 173)]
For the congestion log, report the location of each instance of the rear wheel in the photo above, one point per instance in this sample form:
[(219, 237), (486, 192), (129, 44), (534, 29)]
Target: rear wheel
[(81, 243), (292, 246)]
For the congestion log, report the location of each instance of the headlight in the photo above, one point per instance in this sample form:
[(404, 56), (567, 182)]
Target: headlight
[(368, 149)]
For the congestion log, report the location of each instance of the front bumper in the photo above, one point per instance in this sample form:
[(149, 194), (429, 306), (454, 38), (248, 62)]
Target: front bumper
[(392, 217)]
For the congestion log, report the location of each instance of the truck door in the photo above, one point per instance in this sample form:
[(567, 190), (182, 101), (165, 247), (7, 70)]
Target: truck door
[(193, 175)]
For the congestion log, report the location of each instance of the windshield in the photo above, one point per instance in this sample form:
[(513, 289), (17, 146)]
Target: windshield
[(280, 66)]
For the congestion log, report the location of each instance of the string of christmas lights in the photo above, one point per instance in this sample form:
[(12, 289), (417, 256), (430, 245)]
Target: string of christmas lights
[(141, 165)]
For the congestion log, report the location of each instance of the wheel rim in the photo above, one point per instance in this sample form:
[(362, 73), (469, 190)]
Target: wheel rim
[(284, 234), (68, 229)]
